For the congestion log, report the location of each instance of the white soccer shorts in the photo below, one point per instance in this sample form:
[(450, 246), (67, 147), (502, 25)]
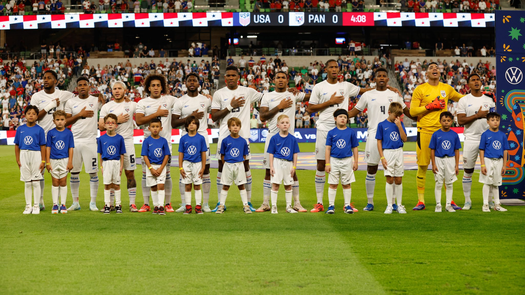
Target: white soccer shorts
[(233, 173), (85, 152), (59, 168), (446, 170), (320, 144), (30, 165), (282, 171), (470, 154), (372, 157), (493, 176), (152, 180), (192, 172), (395, 162), (130, 162), (341, 168), (111, 172)]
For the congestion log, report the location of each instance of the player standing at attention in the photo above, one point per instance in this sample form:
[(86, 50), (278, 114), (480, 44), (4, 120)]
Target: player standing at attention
[(327, 97), (156, 153), (234, 101), (157, 106), (429, 100), (124, 110), (59, 155), (30, 143), (390, 136), (274, 104), (444, 146), (82, 114), (48, 100), (472, 111), (197, 105), (377, 102), (341, 160), (192, 162)]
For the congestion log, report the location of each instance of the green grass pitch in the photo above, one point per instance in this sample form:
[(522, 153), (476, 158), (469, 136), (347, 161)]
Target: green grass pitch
[(234, 253)]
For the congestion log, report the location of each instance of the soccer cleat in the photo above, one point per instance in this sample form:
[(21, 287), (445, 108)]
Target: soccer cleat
[(55, 209), (220, 209), (63, 209), (205, 208), (36, 209), (491, 205), (247, 209), (216, 207), (118, 209), (388, 210), (74, 206), (251, 207), (419, 206), (450, 209), (369, 207), (93, 206), (28, 209), (188, 209), (162, 211), (289, 209), (42, 206), (263, 208), (198, 209), (348, 209), (145, 208), (297, 207), (485, 208), (467, 206), (182, 208), (156, 210), (499, 208), (401, 209), (438, 208), (317, 208), (133, 208), (107, 209), (394, 207), (331, 210), (454, 206), (168, 208), (274, 209)]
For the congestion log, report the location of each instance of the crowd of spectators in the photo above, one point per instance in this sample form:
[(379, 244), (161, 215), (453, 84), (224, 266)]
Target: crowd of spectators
[(477, 6), (308, 5)]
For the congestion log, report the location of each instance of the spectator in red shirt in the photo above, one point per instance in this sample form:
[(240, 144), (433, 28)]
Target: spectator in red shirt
[(278, 6), (272, 7), (331, 3), (315, 3), (338, 4), (410, 5)]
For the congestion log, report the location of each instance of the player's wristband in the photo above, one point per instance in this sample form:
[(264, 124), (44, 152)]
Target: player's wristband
[(327, 164), (181, 168), (293, 167), (44, 162), (48, 163), (382, 158), (482, 165), (230, 108), (150, 167)]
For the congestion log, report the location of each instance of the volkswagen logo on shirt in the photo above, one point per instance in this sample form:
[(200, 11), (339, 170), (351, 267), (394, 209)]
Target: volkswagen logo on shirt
[(341, 143), (234, 152), (158, 152), (394, 136), (192, 150), (112, 150), (446, 145), (59, 145), (28, 140), (496, 144), (285, 151)]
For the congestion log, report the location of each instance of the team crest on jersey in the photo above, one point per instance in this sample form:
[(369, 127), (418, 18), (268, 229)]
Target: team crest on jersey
[(443, 93), (90, 105), (390, 100), (242, 97), (486, 106), (126, 109), (202, 105), (165, 105)]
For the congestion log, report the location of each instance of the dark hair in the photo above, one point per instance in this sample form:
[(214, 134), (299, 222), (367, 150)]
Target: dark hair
[(155, 120), (232, 68), (31, 107), (52, 73), (152, 77), (188, 121), (446, 114), (381, 70), (471, 75), (281, 72), (493, 115), (396, 108), (331, 60), (192, 74), (83, 78), (111, 116), (432, 63)]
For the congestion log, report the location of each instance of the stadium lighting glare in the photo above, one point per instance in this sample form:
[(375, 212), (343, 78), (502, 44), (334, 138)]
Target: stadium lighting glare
[(251, 36)]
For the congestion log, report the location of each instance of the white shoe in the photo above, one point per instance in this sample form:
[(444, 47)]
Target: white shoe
[(36, 209), (450, 209), (289, 209), (206, 208), (491, 205), (28, 209), (485, 208), (182, 209), (274, 209), (74, 206), (93, 206), (388, 210), (467, 206), (499, 208), (438, 208), (401, 209)]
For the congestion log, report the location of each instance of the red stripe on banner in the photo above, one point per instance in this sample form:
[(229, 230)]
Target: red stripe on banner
[(11, 133), (449, 16), (393, 15), (138, 132), (55, 17), (477, 16), (4, 18), (85, 17), (141, 16), (421, 15), (170, 15), (199, 15), (28, 18), (113, 16), (227, 15)]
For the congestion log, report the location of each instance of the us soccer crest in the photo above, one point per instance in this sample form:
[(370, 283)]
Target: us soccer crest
[(126, 109), (164, 105), (244, 18), (202, 105), (90, 105), (390, 100)]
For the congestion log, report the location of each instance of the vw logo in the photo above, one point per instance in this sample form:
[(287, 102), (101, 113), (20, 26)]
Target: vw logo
[(394, 136), (341, 143), (496, 145), (28, 140), (446, 145), (513, 75), (192, 150), (234, 152), (60, 145), (112, 150), (285, 151), (158, 152)]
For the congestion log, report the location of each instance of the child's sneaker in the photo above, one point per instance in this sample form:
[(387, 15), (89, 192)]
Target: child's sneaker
[(297, 207), (331, 210), (247, 209), (198, 209), (220, 209), (28, 209), (263, 208), (133, 208), (205, 208), (401, 209), (348, 209), (439, 209), (63, 209), (145, 208), (388, 210), (491, 205), (450, 209), (168, 208), (74, 206), (289, 209), (36, 209), (317, 208), (93, 206), (118, 209), (251, 207), (188, 209), (107, 209), (156, 210), (274, 209), (55, 209), (485, 208), (467, 206), (369, 207), (161, 211), (182, 208), (499, 208)]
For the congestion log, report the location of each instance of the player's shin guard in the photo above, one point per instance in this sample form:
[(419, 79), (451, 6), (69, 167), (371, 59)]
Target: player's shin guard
[(28, 192), (182, 192), (54, 194), (132, 193), (295, 192), (249, 185), (347, 194), (161, 197), (112, 197), (187, 198), (486, 190), (219, 187), (448, 193), (93, 186), (74, 183), (467, 186), (36, 192), (118, 199), (63, 195), (168, 185), (145, 190), (495, 194), (389, 188), (42, 187), (107, 197), (370, 184), (155, 198), (398, 192), (421, 177), (331, 196), (222, 197), (288, 197), (274, 195), (198, 197), (320, 179), (206, 187), (244, 197), (267, 190), (437, 192)]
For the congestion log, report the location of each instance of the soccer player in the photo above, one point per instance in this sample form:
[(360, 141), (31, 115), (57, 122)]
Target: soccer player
[(472, 111), (390, 136), (274, 104), (283, 150), (156, 153), (82, 112), (327, 97), (234, 101), (341, 156), (493, 153), (192, 161), (429, 100), (48, 100), (377, 102), (59, 159), (30, 142), (233, 151), (157, 106), (124, 110), (444, 146), (197, 105), (111, 148)]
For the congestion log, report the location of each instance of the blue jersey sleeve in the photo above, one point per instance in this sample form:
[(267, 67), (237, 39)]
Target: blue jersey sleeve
[(203, 144), (122, 146), (41, 136), (181, 145), (166, 148), (99, 148), (71, 140), (144, 151), (505, 142), (17, 136), (353, 140), (245, 148), (403, 125), (482, 141), (296, 146), (432, 144), (48, 141), (379, 133), (329, 138), (457, 143), (223, 147), (271, 146)]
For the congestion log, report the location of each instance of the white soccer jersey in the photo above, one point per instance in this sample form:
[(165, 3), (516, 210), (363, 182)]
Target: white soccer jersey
[(186, 105), (41, 99), (222, 99), (148, 106), (84, 129), (322, 92), (272, 100), (377, 103), (469, 105), (121, 108)]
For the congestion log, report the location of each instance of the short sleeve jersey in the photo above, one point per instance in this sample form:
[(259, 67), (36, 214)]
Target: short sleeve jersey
[(377, 104), (272, 100), (283, 147), (41, 99), (60, 142), (121, 108), (111, 147), (388, 133), (444, 143), (155, 149), (469, 105), (341, 141), (192, 147), (234, 149), (84, 129), (186, 105), (30, 138), (493, 143), (150, 106)]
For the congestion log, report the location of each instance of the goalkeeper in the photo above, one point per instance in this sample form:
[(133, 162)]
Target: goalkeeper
[(429, 100)]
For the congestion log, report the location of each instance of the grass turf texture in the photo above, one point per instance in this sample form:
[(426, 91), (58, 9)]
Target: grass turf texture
[(367, 252)]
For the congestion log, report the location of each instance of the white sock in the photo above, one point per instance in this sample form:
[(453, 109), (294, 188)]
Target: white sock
[(132, 194), (145, 189), (398, 188), (274, 195), (248, 185), (389, 193), (206, 187), (182, 191), (28, 192), (491, 196), (111, 196), (42, 187), (448, 193), (107, 197), (74, 183), (267, 190), (244, 197), (295, 192), (331, 196), (93, 186), (155, 198), (161, 195), (198, 197), (54, 194), (370, 184), (320, 179), (36, 192), (495, 194), (168, 185), (63, 195), (219, 186), (486, 189), (118, 199), (223, 196), (437, 192), (467, 186), (187, 198), (347, 194), (288, 197)]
